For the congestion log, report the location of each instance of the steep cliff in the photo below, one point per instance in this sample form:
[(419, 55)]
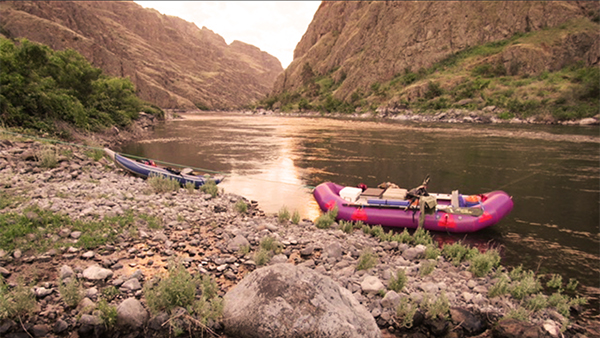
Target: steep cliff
[(352, 49), (172, 62)]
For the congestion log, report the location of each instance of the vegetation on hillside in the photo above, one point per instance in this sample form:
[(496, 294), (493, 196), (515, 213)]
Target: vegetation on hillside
[(39, 86), (470, 79)]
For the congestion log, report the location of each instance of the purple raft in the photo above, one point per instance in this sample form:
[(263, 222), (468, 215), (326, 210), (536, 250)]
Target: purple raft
[(460, 214)]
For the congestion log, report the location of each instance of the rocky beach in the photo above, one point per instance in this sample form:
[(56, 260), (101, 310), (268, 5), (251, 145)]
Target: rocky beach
[(116, 236)]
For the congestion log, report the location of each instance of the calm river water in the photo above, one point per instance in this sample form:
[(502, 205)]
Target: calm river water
[(552, 172)]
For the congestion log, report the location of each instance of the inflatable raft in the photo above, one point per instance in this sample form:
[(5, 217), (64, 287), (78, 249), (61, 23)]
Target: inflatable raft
[(391, 208)]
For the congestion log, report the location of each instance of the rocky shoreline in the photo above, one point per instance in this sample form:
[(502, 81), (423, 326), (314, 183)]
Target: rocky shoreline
[(207, 234), (486, 115)]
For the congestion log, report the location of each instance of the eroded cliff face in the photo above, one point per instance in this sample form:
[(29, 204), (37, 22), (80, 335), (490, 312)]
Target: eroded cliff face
[(172, 62), (361, 43)]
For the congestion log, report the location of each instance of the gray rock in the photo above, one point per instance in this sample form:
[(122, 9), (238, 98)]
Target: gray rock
[(4, 272), (371, 284), (471, 324), (390, 300), (90, 320), (237, 242), (284, 300), (75, 234), (334, 250), (414, 253), (60, 326), (156, 322), (42, 292), (95, 272), (39, 330), (131, 313)]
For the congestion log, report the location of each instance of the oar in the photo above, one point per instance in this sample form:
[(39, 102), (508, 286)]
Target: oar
[(471, 211)]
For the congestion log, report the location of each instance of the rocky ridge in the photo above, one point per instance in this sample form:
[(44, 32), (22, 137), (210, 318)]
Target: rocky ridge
[(361, 43), (207, 233), (172, 63)]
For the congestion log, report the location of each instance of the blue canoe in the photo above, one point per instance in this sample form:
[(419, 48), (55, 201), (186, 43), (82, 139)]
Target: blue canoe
[(146, 170)]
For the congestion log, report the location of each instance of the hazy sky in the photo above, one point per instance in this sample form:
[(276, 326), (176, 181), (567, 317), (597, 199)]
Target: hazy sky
[(275, 27)]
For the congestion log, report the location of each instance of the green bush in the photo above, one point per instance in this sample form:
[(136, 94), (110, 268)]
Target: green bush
[(241, 206), (283, 215), (398, 281), (366, 260), (458, 253), (483, 263), (296, 217), (71, 292), (162, 184), (210, 187), (16, 303), (108, 313), (47, 157), (39, 86), (327, 219), (178, 288), (406, 312)]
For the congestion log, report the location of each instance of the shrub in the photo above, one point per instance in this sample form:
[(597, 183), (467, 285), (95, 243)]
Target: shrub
[(518, 313), (108, 313), (432, 252), (283, 215), (527, 285), (109, 293), (366, 260), (40, 86), (422, 236), (94, 153), (440, 308), (71, 293), (346, 227), (190, 187), (210, 187), (483, 263), (572, 284), (47, 157), (403, 237), (241, 206), (500, 288), (457, 253), (427, 267), (296, 217), (555, 281), (536, 303), (270, 244), (178, 288), (162, 184), (406, 312), (262, 257), (244, 249), (398, 281), (325, 220), (17, 302), (377, 231)]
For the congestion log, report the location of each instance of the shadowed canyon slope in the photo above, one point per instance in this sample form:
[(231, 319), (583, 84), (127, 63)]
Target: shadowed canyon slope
[(172, 62), (358, 44)]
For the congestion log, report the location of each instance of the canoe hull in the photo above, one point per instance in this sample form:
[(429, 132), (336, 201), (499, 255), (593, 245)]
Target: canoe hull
[(144, 170), (496, 206)]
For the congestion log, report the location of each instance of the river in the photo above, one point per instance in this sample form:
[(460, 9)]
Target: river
[(552, 173)]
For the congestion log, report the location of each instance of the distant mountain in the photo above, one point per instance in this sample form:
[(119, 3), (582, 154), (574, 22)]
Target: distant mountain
[(365, 54), (172, 62)]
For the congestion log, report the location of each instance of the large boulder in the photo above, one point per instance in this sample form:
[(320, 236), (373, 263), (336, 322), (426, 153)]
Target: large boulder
[(284, 300)]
